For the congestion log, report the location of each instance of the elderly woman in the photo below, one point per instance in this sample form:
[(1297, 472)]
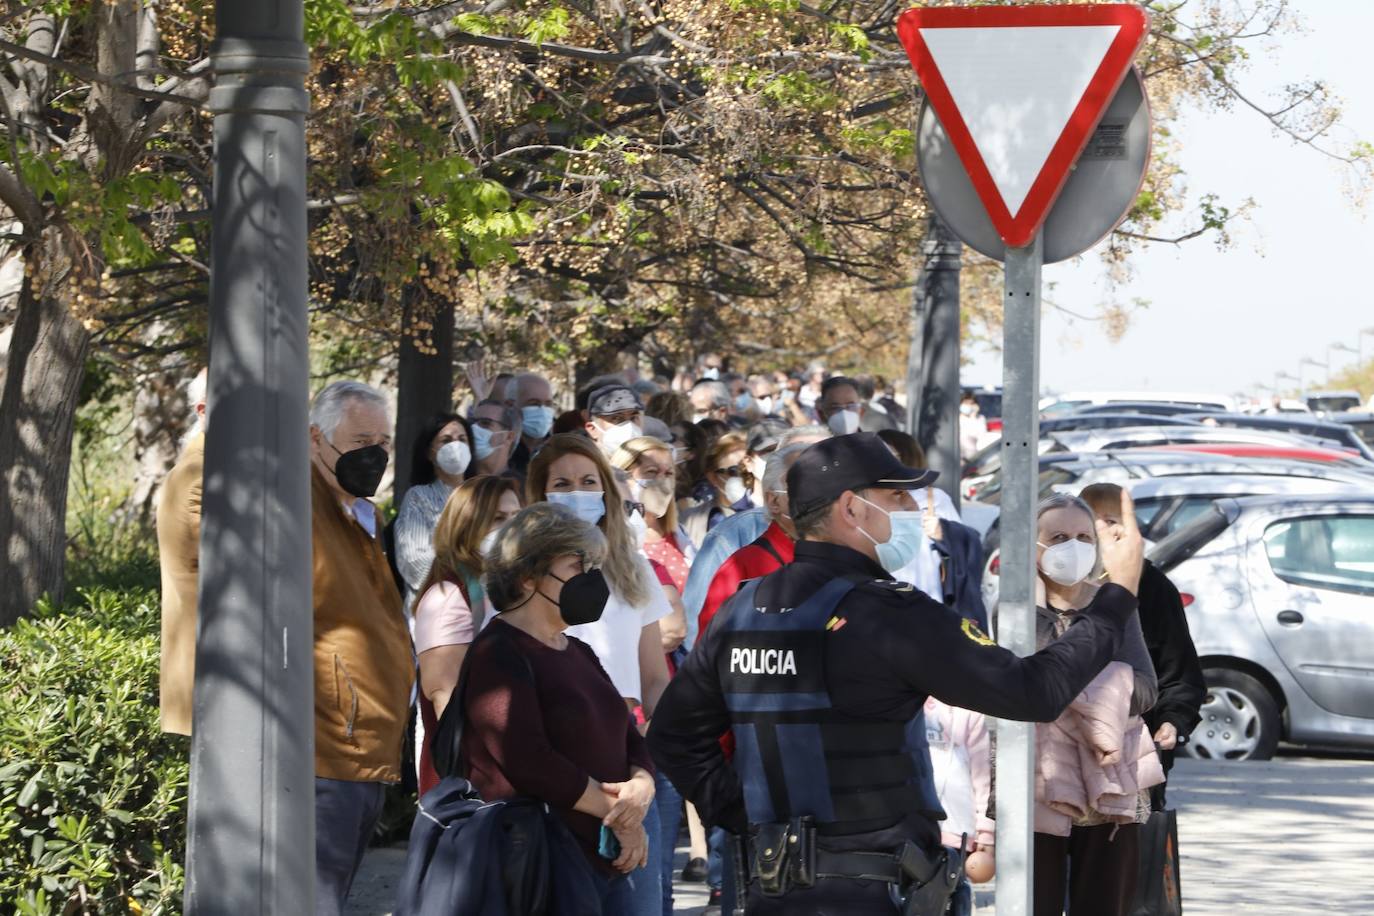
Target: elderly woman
[(571, 471), (1094, 855), (542, 718)]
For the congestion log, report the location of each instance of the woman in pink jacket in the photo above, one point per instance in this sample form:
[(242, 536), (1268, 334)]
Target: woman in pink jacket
[(1095, 760)]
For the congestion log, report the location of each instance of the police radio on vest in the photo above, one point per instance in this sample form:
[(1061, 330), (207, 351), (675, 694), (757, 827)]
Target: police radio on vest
[(762, 661)]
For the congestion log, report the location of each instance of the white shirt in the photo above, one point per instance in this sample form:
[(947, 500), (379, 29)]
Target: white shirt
[(615, 637), (924, 569)]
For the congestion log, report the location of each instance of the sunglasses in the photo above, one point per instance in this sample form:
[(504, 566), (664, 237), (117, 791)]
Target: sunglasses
[(631, 507), (491, 425), (736, 470)]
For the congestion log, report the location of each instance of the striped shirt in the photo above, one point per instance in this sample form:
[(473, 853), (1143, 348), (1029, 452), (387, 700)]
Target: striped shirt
[(415, 534)]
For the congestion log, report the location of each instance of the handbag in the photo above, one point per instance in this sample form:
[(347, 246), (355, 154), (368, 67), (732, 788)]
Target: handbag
[(1158, 890)]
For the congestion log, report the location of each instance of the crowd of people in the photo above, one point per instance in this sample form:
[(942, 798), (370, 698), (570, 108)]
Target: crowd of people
[(546, 574)]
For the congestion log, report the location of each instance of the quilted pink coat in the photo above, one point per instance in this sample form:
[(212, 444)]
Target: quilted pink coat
[(1093, 762)]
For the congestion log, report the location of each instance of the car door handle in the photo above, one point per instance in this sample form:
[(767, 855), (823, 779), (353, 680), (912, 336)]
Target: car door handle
[(1290, 618)]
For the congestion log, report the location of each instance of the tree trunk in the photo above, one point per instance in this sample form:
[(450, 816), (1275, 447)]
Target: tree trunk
[(162, 418), (40, 382), (424, 379)]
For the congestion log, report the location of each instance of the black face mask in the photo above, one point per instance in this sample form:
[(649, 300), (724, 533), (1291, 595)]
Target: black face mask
[(584, 597), (360, 470)]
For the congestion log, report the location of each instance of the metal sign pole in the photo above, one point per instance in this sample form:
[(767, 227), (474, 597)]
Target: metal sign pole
[(251, 833), (1016, 607)]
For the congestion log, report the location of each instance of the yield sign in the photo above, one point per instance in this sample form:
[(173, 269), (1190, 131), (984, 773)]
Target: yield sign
[(1019, 90)]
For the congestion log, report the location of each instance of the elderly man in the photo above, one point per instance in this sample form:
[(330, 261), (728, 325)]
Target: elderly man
[(840, 405), (614, 416), (178, 547), (710, 400), (532, 395), (364, 669), (493, 436)]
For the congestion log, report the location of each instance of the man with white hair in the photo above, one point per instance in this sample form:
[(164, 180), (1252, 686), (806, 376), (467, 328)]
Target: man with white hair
[(710, 400), (364, 669), (178, 547)]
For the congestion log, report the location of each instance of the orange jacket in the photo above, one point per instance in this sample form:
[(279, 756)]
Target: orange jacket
[(364, 667)]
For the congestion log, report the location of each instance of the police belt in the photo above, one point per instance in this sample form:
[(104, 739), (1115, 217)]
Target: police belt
[(785, 856)]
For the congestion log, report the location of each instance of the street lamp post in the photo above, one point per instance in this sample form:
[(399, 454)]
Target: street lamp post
[(1363, 332), (1309, 361), (251, 831)]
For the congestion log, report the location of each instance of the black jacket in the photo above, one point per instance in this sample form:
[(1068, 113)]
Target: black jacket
[(1181, 685), (962, 550), (893, 647)]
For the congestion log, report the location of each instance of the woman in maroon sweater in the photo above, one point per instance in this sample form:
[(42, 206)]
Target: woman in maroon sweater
[(542, 718)]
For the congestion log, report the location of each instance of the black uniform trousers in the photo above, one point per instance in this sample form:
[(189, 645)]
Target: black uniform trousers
[(828, 897), (1097, 869)]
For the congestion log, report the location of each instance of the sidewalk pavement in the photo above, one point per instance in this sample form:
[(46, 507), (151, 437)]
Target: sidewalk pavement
[(1285, 837)]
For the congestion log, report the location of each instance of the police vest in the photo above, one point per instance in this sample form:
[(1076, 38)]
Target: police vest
[(795, 754)]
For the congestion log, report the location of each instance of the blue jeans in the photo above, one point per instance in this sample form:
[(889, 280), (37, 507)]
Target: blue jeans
[(346, 813), (617, 894), (646, 883), (716, 852), (669, 805)]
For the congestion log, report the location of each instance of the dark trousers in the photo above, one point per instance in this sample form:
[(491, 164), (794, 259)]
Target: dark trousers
[(1096, 869), (346, 814), (829, 897)]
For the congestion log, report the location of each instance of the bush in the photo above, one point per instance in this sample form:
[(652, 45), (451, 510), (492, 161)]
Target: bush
[(92, 794)]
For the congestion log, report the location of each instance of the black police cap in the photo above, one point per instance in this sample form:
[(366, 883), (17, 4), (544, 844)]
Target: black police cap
[(855, 462)]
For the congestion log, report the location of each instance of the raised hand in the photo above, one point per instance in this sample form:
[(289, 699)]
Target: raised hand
[(930, 520), (1122, 548), (478, 380)]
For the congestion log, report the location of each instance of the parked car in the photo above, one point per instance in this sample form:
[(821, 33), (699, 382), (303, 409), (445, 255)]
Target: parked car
[(1077, 400), (1297, 452), (1303, 424), (1110, 420), (1326, 402), (1094, 440), (1279, 592), (1360, 421), (1152, 409)]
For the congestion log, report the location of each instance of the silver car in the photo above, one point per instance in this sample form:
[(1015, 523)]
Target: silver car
[(1279, 592)]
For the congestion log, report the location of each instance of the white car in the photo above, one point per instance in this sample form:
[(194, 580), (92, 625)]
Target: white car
[(1073, 400)]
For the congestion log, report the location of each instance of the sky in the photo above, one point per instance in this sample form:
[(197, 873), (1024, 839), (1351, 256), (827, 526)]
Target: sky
[(1298, 276)]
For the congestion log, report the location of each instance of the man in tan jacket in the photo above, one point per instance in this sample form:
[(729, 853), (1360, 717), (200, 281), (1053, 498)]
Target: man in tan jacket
[(364, 668), (178, 545)]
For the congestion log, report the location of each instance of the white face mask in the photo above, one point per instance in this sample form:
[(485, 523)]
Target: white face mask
[(735, 490), (453, 458), (488, 541), (639, 528), (1068, 563), (843, 422), (613, 437)]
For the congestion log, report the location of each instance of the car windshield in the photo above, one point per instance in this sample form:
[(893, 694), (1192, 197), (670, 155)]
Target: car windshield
[(1188, 540), (1334, 404)]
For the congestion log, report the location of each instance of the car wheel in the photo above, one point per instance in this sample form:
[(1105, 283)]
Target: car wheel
[(1240, 720)]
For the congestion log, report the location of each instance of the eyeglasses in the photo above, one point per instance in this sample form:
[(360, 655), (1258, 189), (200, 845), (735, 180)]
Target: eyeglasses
[(733, 470), (491, 425), (631, 507)]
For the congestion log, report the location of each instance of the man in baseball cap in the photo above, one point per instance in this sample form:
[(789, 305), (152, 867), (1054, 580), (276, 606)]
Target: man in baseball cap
[(614, 415)]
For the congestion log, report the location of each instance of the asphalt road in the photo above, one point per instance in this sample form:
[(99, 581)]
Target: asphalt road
[(1286, 837)]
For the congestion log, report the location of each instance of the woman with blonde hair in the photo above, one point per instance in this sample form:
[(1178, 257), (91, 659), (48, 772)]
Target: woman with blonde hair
[(571, 471), (452, 606)]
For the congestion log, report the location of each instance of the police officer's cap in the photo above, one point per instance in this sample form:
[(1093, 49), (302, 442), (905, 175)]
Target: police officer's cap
[(855, 462)]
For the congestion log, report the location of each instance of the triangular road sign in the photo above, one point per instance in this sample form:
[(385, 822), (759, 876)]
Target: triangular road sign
[(1019, 90)]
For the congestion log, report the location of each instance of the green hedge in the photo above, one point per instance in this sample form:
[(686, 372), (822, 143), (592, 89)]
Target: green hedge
[(92, 794)]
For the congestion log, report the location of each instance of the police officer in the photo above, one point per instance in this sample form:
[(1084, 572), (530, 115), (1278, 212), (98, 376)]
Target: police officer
[(820, 670)]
